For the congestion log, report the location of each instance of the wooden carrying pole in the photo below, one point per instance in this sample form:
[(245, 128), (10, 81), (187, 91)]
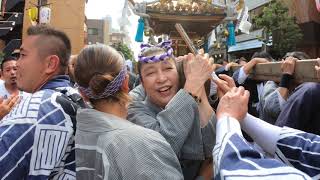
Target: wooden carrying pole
[(186, 38), (304, 71)]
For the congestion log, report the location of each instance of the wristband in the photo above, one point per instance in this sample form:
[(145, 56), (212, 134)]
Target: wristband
[(285, 80), (196, 98)]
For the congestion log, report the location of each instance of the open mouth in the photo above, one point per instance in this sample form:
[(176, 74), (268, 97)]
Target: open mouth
[(164, 90)]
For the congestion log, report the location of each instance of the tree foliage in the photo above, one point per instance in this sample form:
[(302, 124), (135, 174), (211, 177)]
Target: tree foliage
[(125, 50), (277, 23), (2, 54)]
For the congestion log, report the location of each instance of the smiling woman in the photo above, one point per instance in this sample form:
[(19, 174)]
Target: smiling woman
[(108, 146), (185, 122)]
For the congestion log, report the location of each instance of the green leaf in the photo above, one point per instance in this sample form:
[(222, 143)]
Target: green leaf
[(275, 18)]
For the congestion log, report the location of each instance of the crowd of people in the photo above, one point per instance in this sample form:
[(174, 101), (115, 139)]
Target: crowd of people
[(78, 117)]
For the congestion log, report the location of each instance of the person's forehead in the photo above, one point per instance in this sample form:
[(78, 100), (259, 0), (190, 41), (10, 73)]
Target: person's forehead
[(32, 39), (29, 43), (146, 66), (9, 63), (157, 64)]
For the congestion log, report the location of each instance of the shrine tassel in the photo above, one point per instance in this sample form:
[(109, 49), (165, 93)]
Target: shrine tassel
[(139, 35), (231, 37)]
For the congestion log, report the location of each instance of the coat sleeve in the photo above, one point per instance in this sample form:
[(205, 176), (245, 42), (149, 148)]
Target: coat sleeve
[(300, 150), (235, 158), (143, 154), (14, 150), (178, 123), (209, 135), (138, 93), (293, 147), (301, 110), (272, 102)]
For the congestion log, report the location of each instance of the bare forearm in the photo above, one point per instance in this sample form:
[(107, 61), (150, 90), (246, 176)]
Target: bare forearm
[(193, 88), (205, 111)]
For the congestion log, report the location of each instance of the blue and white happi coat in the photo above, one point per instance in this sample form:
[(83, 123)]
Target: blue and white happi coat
[(297, 154), (36, 138)]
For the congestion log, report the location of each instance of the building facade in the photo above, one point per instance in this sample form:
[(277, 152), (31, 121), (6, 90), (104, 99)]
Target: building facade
[(11, 21), (68, 16), (95, 31), (306, 16), (116, 38), (99, 30)]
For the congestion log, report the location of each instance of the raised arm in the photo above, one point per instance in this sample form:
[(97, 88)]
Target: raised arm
[(233, 156), (287, 68), (197, 70), (246, 69)]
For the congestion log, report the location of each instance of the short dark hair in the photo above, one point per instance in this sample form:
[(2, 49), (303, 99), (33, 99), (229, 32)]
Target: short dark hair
[(52, 41), (297, 54), (262, 54), (6, 59), (241, 59)]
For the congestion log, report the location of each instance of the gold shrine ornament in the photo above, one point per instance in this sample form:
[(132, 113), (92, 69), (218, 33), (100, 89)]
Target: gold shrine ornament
[(240, 5), (33, 14), (189, 2), (164, 1), (226, 33)]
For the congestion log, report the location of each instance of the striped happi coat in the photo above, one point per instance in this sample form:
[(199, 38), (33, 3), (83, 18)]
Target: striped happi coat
[(297, 153), (108, 147), (36, 137), (179, 124)]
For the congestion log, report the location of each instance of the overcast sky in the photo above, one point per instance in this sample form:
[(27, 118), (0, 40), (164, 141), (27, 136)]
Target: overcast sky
[(98, 9)]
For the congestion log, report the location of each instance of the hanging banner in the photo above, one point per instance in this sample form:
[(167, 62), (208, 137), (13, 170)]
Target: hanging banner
[(245, 27), (212, 39), (140, 30), (45, 15), (231, 38), (242, 17)]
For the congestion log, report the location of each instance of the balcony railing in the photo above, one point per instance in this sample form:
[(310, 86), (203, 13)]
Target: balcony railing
[(9, 24), (11, 46), (10, 4)]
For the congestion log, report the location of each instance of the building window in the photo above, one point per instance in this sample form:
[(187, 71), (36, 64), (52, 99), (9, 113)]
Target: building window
[(92, 31)]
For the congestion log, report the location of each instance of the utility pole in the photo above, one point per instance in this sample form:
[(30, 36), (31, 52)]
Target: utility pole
[(265, 40), (39, 6)]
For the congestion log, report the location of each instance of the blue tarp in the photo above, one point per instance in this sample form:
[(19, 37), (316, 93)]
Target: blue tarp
[(252, 44)]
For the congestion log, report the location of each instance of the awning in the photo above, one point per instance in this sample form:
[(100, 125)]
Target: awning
[(252, 44)]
